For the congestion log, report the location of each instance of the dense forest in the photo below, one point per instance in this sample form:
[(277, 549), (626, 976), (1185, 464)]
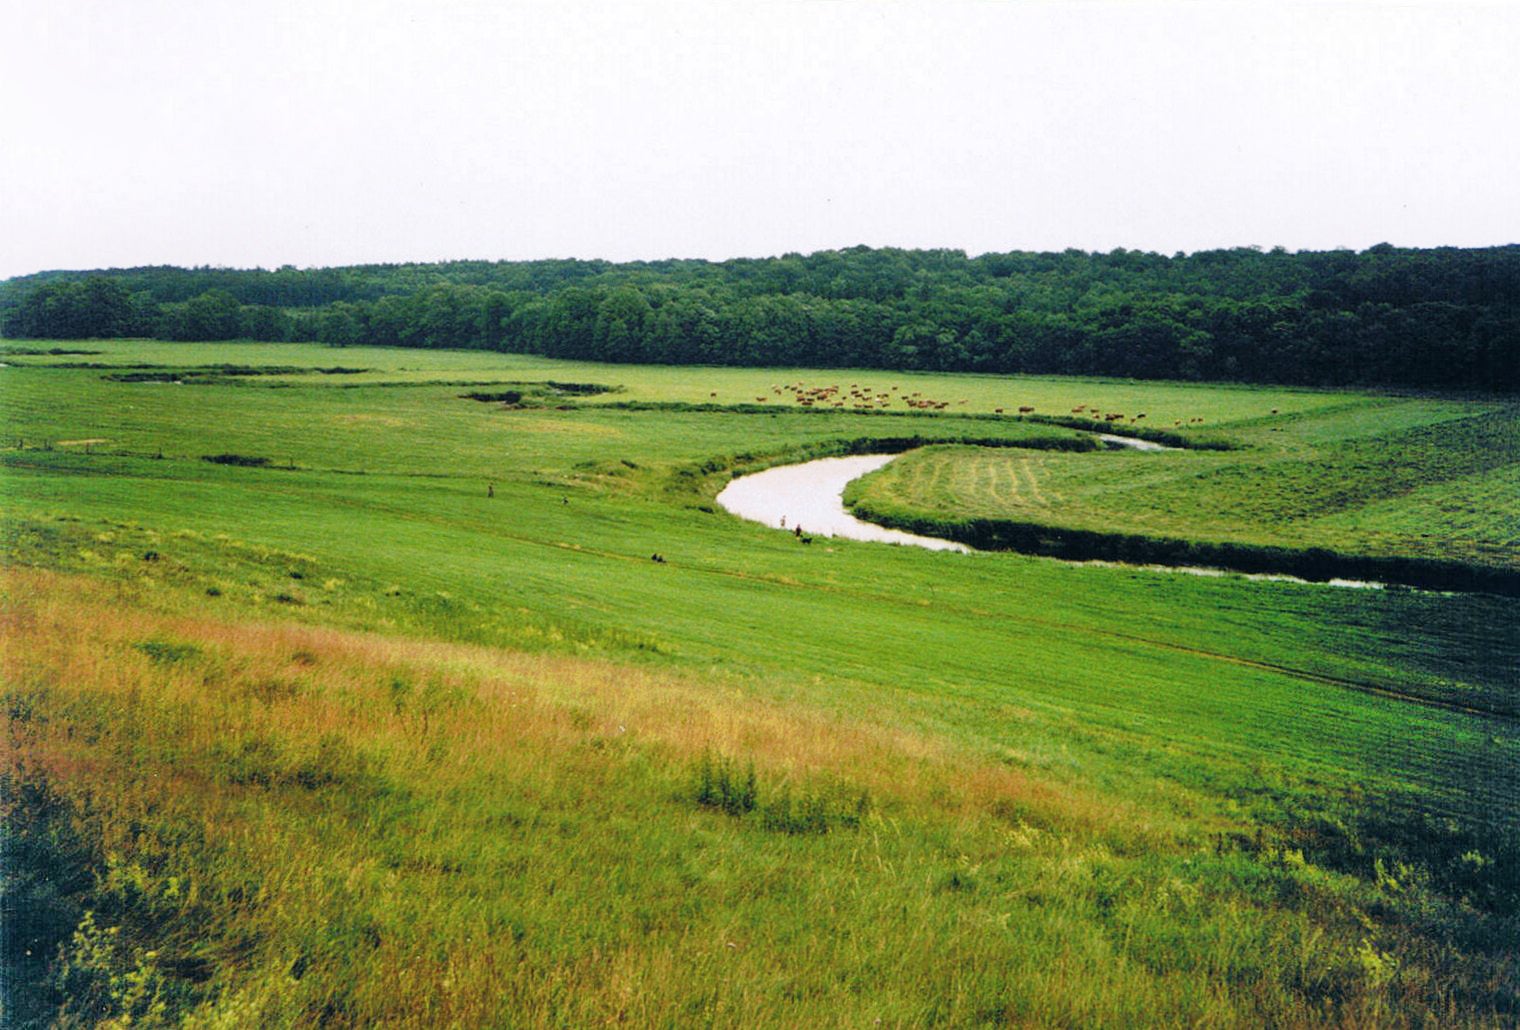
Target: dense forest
[(1435, 317)]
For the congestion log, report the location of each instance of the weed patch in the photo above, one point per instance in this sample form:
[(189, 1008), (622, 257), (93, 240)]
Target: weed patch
[(239, 460), (720, 783), (165, 652)]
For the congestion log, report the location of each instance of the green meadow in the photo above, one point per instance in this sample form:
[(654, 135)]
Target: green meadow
[(386, 715), (1401, 478)]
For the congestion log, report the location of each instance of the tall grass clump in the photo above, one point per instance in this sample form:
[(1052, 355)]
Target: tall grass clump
[(719, 783)]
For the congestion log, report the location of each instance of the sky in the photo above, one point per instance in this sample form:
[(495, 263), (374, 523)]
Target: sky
[(259, 134)]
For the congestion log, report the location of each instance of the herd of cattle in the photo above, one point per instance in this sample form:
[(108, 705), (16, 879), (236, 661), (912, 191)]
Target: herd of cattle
[(858, 397)]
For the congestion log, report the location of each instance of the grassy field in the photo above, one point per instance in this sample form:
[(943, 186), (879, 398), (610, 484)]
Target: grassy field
[(344, 739), (1426, 481)]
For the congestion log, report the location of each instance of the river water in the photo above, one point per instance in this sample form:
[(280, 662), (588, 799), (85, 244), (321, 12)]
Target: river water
[(810, 496)]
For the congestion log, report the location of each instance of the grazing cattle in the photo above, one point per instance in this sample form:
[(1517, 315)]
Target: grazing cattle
[(1274, 411), (998, 411), (713, 394), (1026, 409)]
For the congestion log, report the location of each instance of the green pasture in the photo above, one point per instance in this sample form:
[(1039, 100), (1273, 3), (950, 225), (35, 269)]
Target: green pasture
[(1163, 404), (1355, 721)]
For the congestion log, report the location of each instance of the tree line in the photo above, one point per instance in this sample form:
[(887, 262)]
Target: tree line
[(1442, 317)]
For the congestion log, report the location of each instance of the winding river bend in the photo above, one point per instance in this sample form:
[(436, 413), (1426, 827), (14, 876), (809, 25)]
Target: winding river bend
[(810, 496)]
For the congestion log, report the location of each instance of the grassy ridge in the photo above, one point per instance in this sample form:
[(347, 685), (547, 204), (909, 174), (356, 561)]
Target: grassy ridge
[(303, 731)]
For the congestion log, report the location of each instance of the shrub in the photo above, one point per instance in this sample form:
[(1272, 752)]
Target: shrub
[(242, 460), (503, 397), (47, 865)]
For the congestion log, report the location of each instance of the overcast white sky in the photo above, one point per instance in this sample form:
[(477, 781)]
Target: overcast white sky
[(318, 133)]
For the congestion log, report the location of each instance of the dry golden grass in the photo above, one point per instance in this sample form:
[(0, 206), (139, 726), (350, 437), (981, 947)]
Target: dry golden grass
[(308, 681)]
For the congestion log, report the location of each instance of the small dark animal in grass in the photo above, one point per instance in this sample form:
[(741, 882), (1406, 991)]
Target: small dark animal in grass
[(658, 558), (807, 539), (997, 411), (1274, 411), (1026, 409), (490, 489)]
